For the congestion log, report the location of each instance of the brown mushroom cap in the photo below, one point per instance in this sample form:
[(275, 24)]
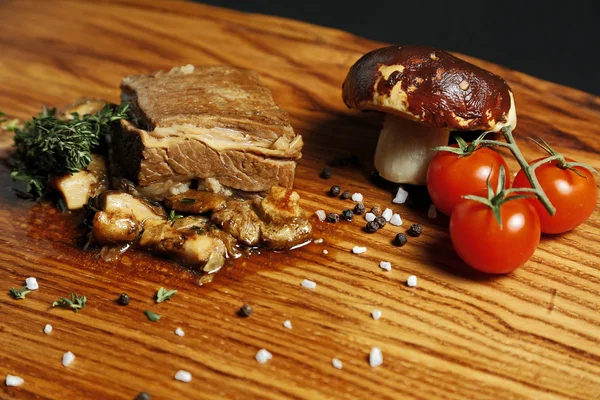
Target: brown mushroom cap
[(430, 86)]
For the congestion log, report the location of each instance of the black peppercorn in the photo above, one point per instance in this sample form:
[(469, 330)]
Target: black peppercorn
[(400, 240), (326, 173), (333, 217), (345, 195), (334, 191), (347, 215), (359, 209), (245, 311), (372, 227), (380, 221), (123, 299), (415, 230), (143, 396)]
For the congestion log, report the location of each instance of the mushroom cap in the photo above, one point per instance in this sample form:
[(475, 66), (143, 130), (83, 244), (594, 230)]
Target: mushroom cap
[(430, 86)]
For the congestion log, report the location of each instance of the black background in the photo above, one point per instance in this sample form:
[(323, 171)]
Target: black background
[(555, 40)]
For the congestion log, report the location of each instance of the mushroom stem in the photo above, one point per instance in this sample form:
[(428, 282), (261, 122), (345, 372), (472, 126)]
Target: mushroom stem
[(404, 149)]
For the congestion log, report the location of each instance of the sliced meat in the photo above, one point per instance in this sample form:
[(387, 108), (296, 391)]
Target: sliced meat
[(276, 222), (76, 189), (217, 123), (196, 202)]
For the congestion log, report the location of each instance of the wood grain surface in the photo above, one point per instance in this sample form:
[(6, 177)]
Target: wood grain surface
[(533, 334)]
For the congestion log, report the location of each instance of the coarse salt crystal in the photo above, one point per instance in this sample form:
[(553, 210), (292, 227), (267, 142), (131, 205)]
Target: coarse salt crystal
[(337, 363), (12, 380), (357, 197), (325, 252), (375, 357), (386, 265), (263, 356), (387, 214), (376, 314), (68, 358), (370, 217), (321, 215), (412, 281), (183, 376), (309, 284), (318, 241), (432, 212), (179, 332), (47, 329), (396, 220), (358, 249), (288, 324), (401, 196), (32, 283)]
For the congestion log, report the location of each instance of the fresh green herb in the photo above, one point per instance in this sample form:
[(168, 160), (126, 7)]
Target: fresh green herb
[(76, 302), (174, 217), (49, 146), (164, 294), (19, 294), (187, 200), (152, 316), (3, 117), (198, 230)]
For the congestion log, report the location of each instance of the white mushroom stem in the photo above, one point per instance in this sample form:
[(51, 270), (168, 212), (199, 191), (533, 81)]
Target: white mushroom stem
[(404, 149)]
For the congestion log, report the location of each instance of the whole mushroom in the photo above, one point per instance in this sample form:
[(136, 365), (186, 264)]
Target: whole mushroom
[(425, 93)]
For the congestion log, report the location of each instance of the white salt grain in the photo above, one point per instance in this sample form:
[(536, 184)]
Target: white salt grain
[(68, 358), (288, 324), (47, 329), (32, 283), (401, 196), (358, 249), (376, 357), (321, 215), (432, 212), (183, 376), (396, 220), (385, 265), (309, 284), (370, 217), (12, 380), (337, 363), (263, 356), (412, 281), (357, 197), (387, 214), (376, 314), (325, 252), (318, 241), (179, 332)]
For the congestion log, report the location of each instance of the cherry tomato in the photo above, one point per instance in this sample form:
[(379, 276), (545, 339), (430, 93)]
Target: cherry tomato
[(573, 196), (449, 177), (484, 245)]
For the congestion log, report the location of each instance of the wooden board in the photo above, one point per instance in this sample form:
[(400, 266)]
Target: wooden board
[(533, 334)]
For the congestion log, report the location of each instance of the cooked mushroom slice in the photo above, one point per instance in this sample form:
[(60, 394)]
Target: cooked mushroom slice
[(141, 208), (82, 107), (77, 188), (426, 93), (197, 202), (185, 245), (239, 218), (115, 227)]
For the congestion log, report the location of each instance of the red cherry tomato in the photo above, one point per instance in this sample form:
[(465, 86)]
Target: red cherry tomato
[(484, 245), (573, 196), (449, 177)]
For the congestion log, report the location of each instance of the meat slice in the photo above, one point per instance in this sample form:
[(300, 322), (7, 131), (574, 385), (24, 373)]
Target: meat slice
[(276, 222), (214, 122)]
